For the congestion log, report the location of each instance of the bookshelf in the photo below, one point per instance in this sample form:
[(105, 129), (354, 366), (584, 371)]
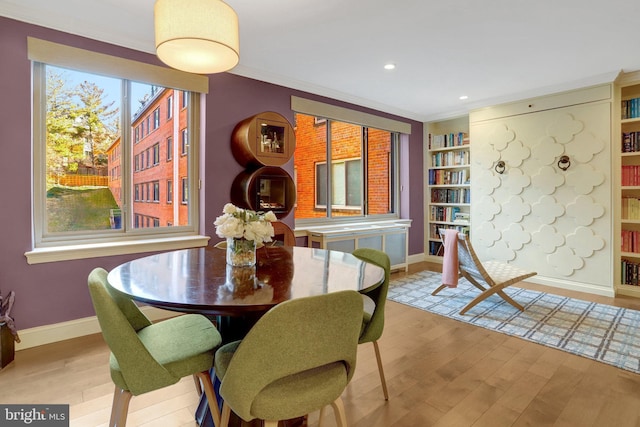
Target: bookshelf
[(447, 181), (627, 230)]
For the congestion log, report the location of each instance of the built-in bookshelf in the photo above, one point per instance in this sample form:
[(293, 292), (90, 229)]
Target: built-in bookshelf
[(447, 181), (628, 225)]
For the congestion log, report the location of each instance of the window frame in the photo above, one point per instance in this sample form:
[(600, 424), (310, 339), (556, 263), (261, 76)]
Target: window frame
[(323, 112), (51, 247)]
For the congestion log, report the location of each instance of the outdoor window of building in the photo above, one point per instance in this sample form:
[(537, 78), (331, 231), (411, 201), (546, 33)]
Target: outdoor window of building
[(184, 142), (361, 178), (185, 190), (90, 130), (169, 148), (156, 154), (156, 118), (156, 191), (169, 191)]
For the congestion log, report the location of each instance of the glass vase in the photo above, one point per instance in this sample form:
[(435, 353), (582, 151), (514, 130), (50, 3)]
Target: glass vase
[(241, 252)]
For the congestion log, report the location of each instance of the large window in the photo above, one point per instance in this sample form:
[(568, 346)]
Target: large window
[(361, 177), (96, 150)]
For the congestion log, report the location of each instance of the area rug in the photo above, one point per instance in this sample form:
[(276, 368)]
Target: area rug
[(597, 331)]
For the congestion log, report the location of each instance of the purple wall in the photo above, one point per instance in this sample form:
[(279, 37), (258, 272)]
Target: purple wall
[(56, 292)]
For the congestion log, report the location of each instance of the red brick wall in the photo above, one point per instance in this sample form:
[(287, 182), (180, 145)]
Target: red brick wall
[(346, 144)]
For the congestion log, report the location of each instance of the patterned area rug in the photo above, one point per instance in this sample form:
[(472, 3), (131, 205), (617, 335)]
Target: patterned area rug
[(597, 331)]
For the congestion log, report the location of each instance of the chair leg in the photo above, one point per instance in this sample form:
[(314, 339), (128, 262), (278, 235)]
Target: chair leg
[(226, 414), (487, 293), (120, 407), (338, 409), (321, 415), (205, 380), (380, 370), (438, 289), (198, 385)]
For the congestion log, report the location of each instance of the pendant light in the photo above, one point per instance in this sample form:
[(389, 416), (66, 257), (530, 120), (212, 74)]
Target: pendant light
[(198, 36)]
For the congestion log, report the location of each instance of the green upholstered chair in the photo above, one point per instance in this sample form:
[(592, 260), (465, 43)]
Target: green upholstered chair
[(296, 359), (374, 302), (146, 356)]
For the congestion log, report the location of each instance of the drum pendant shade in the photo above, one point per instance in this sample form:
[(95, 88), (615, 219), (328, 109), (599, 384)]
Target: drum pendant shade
[(197, 36)]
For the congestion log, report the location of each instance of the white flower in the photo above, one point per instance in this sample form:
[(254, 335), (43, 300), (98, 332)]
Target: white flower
[(236, 223)]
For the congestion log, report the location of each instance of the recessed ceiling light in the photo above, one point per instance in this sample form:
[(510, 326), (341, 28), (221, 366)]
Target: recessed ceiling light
[(389, 66), (463, 97)]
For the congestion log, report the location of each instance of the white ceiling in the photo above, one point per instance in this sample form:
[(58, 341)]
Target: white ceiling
[(490, 50)]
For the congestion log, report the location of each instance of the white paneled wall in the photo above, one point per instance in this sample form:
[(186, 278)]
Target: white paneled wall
[(535, 214)]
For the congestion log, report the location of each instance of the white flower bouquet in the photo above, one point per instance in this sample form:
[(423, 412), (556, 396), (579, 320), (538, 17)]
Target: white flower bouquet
[(238, 223)]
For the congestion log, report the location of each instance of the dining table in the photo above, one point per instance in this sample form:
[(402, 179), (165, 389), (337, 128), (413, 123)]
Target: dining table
[(199, 280)]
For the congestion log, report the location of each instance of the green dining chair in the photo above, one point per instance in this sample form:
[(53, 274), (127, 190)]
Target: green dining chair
[(297, 358), (374, 301), (148, 356)]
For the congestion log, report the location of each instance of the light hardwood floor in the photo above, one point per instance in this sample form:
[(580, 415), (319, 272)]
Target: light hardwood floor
[(439, 372)]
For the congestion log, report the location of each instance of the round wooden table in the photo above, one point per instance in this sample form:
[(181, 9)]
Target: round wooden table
[(200, 281)]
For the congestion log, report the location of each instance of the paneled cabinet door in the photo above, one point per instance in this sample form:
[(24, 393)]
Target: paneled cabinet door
[(538, 209)]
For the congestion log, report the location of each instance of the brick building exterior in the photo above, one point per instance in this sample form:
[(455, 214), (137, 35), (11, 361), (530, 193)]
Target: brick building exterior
[(159, 161)]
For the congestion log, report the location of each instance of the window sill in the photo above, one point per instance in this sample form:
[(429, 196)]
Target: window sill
[(94, 250)]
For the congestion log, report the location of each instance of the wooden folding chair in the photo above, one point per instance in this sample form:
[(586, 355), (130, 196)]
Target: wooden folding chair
[(490, 277)]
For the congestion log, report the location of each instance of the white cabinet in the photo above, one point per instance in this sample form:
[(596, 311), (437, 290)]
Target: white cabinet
[(390, 237), (542, 187)]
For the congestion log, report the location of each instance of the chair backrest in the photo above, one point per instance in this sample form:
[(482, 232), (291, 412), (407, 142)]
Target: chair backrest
[(283, 233), (120, 320), (293, 337), (375, 326), (468, 260)]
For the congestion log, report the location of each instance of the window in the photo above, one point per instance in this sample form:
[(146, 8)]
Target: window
[(90, 130), (156, 118), (345, 188), (156, 191), (169, 107), (184, 141), (360, 181), (185, 190), (184, 98), (169, 191), (169, 148), (156, 154)]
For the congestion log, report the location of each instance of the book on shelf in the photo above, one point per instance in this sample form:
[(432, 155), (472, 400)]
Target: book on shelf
[(629, 272), (630, 208), (631, 142), (630, 241), (630, 108), (450, 195), (630, 175), (450, 158), (452, 139), (462, 217), (448, 177), (443, 213), (434, 232)]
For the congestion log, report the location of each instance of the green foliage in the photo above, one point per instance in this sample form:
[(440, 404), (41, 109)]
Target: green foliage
[(79, 208), (81, 125)]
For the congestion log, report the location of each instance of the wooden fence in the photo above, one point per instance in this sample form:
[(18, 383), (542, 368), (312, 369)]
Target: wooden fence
[(84, 180)]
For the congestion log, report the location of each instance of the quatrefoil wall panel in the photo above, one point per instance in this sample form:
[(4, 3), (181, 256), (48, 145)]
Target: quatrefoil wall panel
[(534, 214)]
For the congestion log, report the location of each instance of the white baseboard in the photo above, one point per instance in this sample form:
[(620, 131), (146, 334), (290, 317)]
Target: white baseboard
[(416, 258), (48, 334), (572, 286)]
